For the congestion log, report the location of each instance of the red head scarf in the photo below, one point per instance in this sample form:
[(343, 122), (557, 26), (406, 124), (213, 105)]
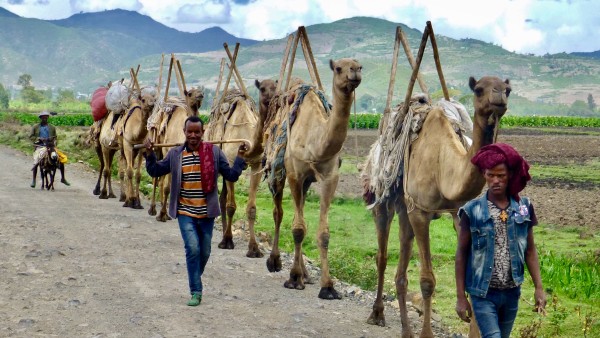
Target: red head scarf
[(491, 155)]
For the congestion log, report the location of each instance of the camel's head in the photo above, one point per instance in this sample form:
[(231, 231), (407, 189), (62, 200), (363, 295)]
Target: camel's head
[(194, 97), (147, 98), (266, 90), (491, 96), (347, 74)]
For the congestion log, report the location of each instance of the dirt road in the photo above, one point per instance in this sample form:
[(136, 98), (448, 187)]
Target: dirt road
[(72, 265)]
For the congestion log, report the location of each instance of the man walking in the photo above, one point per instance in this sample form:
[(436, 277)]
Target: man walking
[(194, 200)]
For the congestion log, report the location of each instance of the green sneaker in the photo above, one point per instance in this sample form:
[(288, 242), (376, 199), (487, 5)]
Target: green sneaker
[(196, 299)]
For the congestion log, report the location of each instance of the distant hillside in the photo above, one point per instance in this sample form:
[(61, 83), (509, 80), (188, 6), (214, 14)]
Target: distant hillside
[(84, 50), (87, 50), (595, 55)]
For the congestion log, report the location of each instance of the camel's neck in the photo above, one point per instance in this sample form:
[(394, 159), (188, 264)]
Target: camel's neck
[(472, 181), (336, 127)]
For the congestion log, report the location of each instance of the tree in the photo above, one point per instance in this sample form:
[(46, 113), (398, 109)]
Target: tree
[(591, 102), (25, 81), (65, 96), (4, 97), (30, 95)]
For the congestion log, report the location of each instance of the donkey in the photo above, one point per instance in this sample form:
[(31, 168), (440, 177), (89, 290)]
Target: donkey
[(48, 163)]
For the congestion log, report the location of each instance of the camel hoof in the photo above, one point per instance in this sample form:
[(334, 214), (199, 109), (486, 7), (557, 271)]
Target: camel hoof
[(254, 252), (274, 263), (111, 195), (127, 204), (136, 204), (152, 211), (96, 191), (122, 198), (227, 243), (329, 293), (162, 217), (103, 196), (376, 319), (293, 284), (426, 333)]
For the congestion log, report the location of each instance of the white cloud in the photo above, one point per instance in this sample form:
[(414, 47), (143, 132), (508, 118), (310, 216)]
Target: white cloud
[(525, 26)]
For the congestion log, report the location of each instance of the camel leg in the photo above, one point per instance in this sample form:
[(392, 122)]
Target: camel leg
[(137, 157), (165, 186), (227, 219), (129, 159), (98, 149), (383, 216), (274, 260), (122, 176), (327, 193), (152, 209), (406, 236), (296, 280), (253, 250), (420, 224)]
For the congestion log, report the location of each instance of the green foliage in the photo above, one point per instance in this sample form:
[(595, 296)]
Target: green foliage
[(24, 80), (59, 120), (576, 276), (31, 95), (4, 97)]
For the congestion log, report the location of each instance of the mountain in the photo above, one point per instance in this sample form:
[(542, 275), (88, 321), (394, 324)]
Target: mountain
[(87, 50), (594, 55), (82, 51)]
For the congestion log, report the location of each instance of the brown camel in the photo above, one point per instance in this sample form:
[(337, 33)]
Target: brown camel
[(134, 132), (169, 129), (238, 118), (311, 154), (109, 144), (439, 178)]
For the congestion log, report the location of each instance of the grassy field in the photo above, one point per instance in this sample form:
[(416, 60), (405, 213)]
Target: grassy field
[(569, 263)]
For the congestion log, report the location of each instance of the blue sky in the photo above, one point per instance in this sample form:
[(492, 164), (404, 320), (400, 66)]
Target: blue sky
[(523, 26)]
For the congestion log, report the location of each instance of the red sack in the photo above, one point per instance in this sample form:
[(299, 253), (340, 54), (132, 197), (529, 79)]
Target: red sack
[(98, 103)]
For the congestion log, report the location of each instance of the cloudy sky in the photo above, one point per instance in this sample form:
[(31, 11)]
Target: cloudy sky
[(523, 26)]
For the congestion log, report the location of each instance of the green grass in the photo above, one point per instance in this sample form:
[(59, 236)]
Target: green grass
[(569, 260), (588, 172)]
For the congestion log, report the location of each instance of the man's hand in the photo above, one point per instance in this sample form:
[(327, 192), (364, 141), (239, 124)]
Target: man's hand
[(540, 301), (148, 144), (242, 149), (463, 309)]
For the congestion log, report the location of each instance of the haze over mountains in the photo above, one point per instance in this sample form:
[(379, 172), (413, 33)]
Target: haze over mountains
[(87, 50)]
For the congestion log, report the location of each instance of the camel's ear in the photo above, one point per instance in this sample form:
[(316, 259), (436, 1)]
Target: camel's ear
[(331, 64), (256, 83), (276, 81), (472, 83), (507, 81)]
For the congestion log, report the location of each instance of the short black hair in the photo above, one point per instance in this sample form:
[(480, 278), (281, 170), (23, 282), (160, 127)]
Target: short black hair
[(193, 119)]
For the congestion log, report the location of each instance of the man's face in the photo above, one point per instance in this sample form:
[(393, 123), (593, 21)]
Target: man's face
[(193, 133), (44, 119), (497, 179)]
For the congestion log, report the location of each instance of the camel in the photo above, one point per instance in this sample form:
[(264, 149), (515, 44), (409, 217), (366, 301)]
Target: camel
[(169, 129), (439, 178), (134, 131), (312, 153), (237, 118), (108, 142)]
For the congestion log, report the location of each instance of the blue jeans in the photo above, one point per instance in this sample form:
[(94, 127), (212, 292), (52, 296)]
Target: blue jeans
[(196, 234), (496, 313)]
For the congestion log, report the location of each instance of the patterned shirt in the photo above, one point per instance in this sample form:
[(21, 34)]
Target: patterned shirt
[(44, 131), (192, 200), (501, 272)]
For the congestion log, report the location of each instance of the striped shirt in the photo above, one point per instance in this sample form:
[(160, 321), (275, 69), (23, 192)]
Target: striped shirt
[(192, 200)]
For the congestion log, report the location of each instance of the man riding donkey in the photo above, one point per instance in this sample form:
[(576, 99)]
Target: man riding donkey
[(40, 134)]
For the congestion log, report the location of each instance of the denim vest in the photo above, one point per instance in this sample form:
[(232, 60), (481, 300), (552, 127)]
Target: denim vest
[(481, 256)]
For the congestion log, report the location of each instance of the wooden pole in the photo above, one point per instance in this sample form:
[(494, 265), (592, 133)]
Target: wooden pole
[(309, 65), (294, 47), (164, 145), (182, 78), (411, 61), (169, 78), (160, 71), (235, 70), (134, 79), (178, 78), (388, 102), (286, 55), (221, 69), (438, 64), (415, 71), (311, 58), (235, 52)]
